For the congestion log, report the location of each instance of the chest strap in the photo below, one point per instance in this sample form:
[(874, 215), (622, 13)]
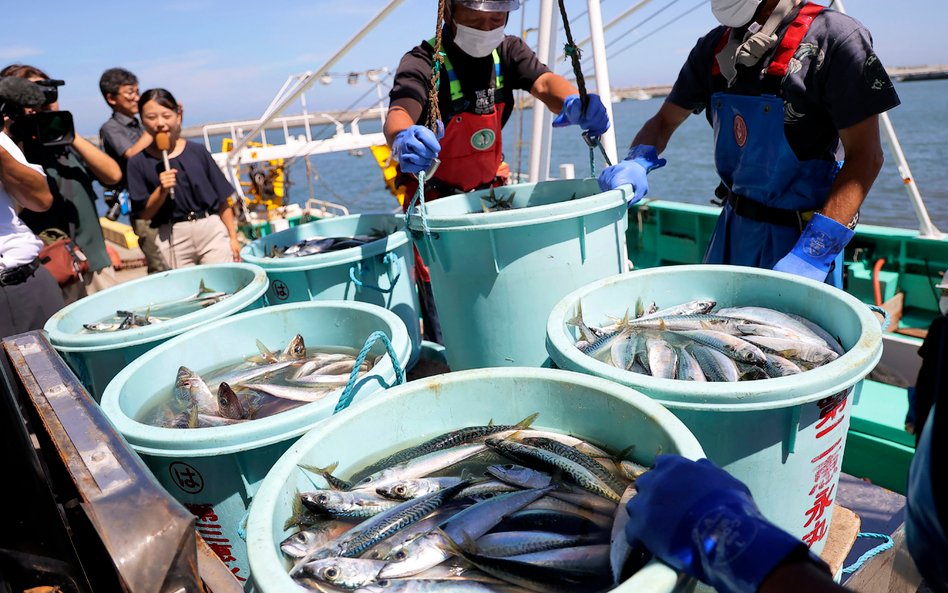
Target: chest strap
[(457, 94), (789, 43)]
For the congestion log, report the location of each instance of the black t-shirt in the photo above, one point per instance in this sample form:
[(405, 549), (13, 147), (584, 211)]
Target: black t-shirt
[(201, 186), (834, 81), (518, 65)]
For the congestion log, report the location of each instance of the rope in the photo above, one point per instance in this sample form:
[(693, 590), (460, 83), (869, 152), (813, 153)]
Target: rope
[(885, 545), (573, 52), (347, 393), (418, 201), (434, 113), (388, 260)]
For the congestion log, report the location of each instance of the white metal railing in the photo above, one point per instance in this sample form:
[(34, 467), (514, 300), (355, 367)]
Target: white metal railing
[(325, 209)]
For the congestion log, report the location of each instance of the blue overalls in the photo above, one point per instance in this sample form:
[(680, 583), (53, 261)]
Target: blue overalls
[(770, 192)]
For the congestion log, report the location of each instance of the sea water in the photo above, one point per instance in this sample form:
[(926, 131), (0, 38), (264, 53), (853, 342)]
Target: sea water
[(921, 122)]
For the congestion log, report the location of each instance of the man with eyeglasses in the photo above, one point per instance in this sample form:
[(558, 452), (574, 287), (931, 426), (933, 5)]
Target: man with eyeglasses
[(122, 137)]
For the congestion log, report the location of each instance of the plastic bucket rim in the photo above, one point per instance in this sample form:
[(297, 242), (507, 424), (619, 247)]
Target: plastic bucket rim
[(259, 524), (71, 342), (545, 214), (819, 382), (220, 440), (393, 241)]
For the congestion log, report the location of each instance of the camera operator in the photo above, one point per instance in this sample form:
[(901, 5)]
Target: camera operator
[(70, 170), (28, 293), (122, 137)]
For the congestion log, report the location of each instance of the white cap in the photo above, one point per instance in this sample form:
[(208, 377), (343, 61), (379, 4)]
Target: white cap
[(734, 13)]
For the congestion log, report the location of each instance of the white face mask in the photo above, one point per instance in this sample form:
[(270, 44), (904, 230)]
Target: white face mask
[(477, 43), (734, 13)]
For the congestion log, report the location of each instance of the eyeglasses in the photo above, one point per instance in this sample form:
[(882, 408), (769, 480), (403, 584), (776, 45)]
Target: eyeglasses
[(130, 94)]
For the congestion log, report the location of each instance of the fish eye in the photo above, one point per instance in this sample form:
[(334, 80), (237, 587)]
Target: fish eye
[(322, 498), (399, 555), (399, 490), (509, 466), (331, 572), (366, 480)]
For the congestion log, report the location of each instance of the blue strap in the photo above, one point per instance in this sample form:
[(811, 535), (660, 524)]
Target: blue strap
[(419, 201), (347, 394), (884, 313), (242, 525), (388, 260), (885, 545)]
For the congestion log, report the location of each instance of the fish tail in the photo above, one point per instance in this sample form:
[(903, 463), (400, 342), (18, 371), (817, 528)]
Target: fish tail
[(526, 422)]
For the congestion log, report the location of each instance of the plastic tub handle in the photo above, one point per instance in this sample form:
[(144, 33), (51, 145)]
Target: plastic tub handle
[(884, 313), (347, 395), (394, 273)]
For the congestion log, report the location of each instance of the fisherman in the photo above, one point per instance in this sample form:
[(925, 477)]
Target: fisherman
[(790, 87), (482, 68)]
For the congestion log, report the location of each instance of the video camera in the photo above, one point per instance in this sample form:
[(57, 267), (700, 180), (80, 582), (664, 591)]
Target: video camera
[(43, 128)]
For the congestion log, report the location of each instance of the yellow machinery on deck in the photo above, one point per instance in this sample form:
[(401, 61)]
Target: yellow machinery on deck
[(383, 156), (265, 183)]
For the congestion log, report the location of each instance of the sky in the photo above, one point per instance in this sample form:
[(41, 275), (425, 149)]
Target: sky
[(225, 60)]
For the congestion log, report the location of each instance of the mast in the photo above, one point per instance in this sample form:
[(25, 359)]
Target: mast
[(541, 136), (275, 108), (926, 228)]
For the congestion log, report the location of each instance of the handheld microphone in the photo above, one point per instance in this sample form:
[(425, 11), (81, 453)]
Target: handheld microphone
[(163, 142)]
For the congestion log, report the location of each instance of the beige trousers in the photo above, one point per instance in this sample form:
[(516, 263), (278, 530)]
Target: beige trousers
[(194, 242)]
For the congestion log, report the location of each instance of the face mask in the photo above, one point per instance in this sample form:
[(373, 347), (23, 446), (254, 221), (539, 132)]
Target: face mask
[(734, 13), (477, 43)]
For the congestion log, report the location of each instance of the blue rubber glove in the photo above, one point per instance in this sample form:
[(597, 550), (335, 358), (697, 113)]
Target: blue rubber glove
[(822, 240), (595, 120), (415, 148), (641, 159), (702, 521)]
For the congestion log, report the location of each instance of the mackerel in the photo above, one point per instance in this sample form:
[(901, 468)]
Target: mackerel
[(442, 442), (578, 473)]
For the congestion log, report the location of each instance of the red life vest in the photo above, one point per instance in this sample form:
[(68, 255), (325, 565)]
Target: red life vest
[(788, 45)]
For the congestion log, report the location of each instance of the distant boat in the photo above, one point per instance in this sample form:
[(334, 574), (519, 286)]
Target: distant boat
[(640, 95)]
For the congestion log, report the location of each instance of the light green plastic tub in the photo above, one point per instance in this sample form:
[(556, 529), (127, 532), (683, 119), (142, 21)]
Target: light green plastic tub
[(380, 273), (215, 472), (97, 357), (495, 276), (607, 414), (783, 437)]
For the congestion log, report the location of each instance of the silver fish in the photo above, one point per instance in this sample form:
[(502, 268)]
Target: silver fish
[(732, 346), (805, 351), (662, 359), (688, 369), (715, 365), (190, 387), (347, 573)]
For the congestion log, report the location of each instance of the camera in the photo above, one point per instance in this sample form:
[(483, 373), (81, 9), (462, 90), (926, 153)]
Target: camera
[(46, 128), (117, 201), (42, 128)]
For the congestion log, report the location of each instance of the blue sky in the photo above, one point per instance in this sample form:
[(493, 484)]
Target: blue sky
[(226, 60)]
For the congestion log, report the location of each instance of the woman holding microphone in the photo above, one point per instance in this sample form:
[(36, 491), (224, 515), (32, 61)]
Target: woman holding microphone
[(178, 186)]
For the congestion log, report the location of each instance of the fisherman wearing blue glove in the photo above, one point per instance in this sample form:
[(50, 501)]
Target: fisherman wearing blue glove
[(700, 520), (482, 67), (793, 92)]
